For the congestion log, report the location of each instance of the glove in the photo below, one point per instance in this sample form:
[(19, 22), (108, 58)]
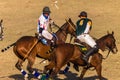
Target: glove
[(51, 21), (40, 30)]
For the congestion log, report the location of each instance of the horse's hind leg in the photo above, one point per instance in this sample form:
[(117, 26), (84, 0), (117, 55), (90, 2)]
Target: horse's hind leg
[(31, 61), (18, 65)]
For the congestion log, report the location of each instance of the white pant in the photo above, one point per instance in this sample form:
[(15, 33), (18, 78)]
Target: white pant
[(87, 39), (47, 35)]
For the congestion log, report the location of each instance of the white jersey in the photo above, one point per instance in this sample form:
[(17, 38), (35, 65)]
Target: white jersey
[(43, 22)]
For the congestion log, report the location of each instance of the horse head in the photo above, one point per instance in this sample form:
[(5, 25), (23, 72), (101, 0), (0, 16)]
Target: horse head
[(71, 27), (111, 43), (108, 41)]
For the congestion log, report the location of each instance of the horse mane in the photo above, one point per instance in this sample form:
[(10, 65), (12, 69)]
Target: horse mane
[(104, 37), (63, 25)]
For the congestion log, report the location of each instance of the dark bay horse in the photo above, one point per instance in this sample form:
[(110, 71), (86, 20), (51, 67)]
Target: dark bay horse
[(67, 52), (28, 47)]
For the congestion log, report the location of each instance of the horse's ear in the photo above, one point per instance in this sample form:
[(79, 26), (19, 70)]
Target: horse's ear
[(66, 20), (112, 32), (1, 20), (70, 19)]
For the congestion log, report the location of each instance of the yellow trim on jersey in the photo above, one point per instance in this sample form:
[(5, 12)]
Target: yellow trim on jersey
[(81, 22), (89, 23)]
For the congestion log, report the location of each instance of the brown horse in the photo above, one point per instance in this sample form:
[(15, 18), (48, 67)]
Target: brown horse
[(67, 52), (28, 47)]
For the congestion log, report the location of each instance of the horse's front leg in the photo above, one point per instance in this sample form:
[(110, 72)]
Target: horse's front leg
[(98, 70), (31, 60), (49, 67), (19, 67), (83, 72), (97, 63), (54, 72)]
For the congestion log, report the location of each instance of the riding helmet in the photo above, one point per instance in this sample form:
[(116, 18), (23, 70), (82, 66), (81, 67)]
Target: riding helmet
[(46, 9), (83, 14)]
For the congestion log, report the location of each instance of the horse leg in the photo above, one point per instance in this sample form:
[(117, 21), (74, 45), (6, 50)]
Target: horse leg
[(83, 72), (66, 68), (50, 66), (48, 69), (98, 70), (57, 68), (54, 72), (31, 61), (96, 61), (18, 66)]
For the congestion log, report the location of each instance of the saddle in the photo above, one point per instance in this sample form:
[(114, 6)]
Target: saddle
[(81, 45), (45, 41)]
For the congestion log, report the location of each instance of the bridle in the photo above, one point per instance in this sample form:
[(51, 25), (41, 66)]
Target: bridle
[(63, 29)]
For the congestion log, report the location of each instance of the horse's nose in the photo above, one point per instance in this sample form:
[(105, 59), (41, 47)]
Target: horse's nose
[(115, 50)]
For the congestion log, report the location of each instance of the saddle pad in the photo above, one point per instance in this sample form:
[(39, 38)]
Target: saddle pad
[(83, 49)]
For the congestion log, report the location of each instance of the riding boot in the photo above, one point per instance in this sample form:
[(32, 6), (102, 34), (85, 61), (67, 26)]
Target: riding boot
[(89, 53)]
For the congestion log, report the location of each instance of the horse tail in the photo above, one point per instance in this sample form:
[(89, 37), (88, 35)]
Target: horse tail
[(3, 50)]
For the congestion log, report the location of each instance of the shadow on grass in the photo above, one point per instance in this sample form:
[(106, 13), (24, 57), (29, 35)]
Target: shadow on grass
[(21, 77), (73, 76), (69, 76)]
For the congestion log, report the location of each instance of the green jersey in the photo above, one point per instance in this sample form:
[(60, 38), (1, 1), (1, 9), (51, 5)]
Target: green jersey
[(81, 25)]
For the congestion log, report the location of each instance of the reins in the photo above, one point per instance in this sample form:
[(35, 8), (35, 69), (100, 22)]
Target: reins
[(106, 55), (59, 28), (56, 25)]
